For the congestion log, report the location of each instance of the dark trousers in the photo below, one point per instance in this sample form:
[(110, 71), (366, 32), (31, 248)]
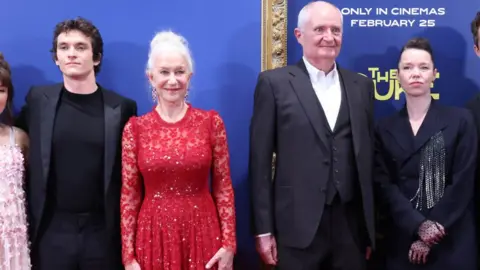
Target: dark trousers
[(338, 244), (72, 242)]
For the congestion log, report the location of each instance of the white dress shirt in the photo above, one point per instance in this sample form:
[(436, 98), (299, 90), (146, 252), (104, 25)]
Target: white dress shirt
[(328, 91)]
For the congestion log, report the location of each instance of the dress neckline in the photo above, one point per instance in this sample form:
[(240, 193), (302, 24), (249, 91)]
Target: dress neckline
[(180, 121)]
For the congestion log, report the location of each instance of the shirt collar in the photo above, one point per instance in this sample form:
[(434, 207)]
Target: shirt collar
[(316, 74)]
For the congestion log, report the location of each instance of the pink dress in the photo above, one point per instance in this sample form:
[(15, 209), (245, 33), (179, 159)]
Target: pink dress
[(14, 248)]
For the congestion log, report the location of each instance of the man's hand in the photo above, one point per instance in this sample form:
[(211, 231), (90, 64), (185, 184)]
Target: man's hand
[(267, 248)]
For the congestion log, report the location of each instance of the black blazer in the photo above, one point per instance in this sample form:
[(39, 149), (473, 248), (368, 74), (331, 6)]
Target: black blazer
[(398, 155), (37, 119), (474, 106), (287, 120)]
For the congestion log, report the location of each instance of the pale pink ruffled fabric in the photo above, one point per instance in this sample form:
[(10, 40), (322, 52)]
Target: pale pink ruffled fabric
[(14, 246)]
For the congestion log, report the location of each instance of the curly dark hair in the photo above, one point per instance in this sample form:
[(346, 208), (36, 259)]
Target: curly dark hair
[(475, 27), (6, 81), (88, 29)]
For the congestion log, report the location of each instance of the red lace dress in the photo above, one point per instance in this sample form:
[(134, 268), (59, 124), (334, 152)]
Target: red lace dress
[(169, 217)]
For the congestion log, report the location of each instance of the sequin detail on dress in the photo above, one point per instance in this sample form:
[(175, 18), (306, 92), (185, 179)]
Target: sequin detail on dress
[(14, 246), (169, 217), (431, 184)]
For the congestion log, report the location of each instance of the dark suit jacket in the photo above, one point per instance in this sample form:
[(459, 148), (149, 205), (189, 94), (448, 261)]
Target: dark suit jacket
[(474, 106), (287, 120), (37, 119), (398, 154)]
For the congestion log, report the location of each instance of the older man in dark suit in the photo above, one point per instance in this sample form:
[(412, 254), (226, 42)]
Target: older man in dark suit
[(318, 119)]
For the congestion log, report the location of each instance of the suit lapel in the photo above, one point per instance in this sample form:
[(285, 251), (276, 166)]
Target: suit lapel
[(431, 124), (112, 112), (302, 86), (50, 102), (401, 130), (356, 109)]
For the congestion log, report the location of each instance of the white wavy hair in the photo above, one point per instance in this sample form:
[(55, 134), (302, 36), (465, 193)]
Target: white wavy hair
[(166, 42)]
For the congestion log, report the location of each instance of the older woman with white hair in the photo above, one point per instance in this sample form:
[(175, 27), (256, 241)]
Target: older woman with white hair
[(169, 217)]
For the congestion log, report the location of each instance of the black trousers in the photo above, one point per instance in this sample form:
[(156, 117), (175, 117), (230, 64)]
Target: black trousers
[(339, 243), (73, 242)]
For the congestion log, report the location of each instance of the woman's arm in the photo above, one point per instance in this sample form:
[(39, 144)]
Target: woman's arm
[(459, 194), (222, 183), (131, 192)]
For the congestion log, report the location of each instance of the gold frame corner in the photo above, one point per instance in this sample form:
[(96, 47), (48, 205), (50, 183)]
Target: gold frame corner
[(274, 34)]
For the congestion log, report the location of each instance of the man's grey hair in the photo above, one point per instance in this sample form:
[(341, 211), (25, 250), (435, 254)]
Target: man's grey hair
[(304, 14)]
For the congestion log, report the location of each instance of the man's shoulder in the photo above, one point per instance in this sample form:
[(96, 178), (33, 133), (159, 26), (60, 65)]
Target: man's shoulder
[(279, 72), (37, 92), (354, 75), (474, 102), (115, 95), (44, 88)]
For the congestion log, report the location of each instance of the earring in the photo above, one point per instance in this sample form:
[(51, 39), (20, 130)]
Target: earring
[(154, 94), (186, 95)]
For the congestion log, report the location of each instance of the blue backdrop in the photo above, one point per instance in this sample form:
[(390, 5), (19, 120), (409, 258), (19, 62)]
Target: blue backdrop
[(375, 31), (225, 41), (372, 43)]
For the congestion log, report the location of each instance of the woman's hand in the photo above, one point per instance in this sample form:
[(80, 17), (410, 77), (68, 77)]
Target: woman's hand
[(133, 266), (418, 252), (224, 259), (431, 232)]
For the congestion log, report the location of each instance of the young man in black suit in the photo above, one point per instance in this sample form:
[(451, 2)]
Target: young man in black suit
[(74, 180)]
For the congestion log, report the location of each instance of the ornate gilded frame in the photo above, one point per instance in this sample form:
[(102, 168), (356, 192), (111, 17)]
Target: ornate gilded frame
[(274, 38), (274, 34)]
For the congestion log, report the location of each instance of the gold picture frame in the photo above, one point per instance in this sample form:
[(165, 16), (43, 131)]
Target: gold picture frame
[(274, 39), (274, 34)]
